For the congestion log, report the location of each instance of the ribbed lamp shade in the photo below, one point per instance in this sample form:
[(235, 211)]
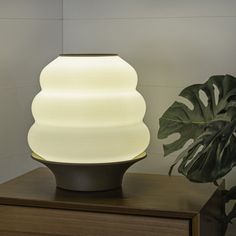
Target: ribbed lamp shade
[(88, 111)]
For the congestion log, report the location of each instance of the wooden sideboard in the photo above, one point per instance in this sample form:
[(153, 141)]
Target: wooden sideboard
[(154, 205)]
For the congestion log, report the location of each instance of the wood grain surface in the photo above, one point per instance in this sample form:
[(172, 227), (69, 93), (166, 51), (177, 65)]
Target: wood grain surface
[(146, 205), (27, 221), (142, 194)]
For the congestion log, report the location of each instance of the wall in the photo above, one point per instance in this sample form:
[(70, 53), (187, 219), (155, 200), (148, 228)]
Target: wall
[(171, 44), (31, 36)]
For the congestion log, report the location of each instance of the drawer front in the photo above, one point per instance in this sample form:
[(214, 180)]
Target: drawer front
[(19, 221)]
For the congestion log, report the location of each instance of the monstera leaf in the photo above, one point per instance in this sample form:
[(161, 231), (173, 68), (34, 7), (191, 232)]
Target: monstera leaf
[(228, 195), (211, 126)]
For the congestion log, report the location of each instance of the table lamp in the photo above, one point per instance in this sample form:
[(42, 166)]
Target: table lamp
[(88, 126)]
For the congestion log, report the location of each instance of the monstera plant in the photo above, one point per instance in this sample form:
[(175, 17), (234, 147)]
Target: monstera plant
[(211, 126)]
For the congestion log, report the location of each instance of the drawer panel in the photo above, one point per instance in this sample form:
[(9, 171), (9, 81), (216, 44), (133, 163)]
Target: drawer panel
[(19, 221)]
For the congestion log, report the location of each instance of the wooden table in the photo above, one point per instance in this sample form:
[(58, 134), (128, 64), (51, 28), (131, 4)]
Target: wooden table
[(154, 205)]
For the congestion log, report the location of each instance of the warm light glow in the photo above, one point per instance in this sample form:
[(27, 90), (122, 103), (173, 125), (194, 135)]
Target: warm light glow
[(88, 111)]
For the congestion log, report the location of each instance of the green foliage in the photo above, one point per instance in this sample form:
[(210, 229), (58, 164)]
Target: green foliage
[(229, 195), (212, 129)]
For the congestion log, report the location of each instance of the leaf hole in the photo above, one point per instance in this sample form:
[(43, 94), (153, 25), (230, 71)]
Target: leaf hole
[(195, 154), (203, 97), (216, 93), (186, 102), (234, 134), (171, 138)]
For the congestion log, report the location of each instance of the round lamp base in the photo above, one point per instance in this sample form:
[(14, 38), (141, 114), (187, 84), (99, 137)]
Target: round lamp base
[(89, 177)]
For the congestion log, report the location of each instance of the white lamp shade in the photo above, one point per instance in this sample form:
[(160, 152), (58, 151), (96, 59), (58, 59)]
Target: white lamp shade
[(88, 111)]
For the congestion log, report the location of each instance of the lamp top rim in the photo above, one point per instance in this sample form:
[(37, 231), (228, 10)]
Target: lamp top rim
[(88, 54)]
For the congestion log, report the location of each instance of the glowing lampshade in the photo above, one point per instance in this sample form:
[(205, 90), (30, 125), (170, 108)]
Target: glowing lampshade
[(88, 115), (88, 111)]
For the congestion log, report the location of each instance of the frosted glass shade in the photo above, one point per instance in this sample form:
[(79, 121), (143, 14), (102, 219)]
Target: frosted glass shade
[(88, 111)]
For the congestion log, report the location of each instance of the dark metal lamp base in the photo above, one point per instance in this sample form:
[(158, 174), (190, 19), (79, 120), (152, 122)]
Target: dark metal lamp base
[(89, 177)]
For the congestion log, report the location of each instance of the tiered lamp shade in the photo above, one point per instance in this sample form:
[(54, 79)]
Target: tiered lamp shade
[(88, 111)]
